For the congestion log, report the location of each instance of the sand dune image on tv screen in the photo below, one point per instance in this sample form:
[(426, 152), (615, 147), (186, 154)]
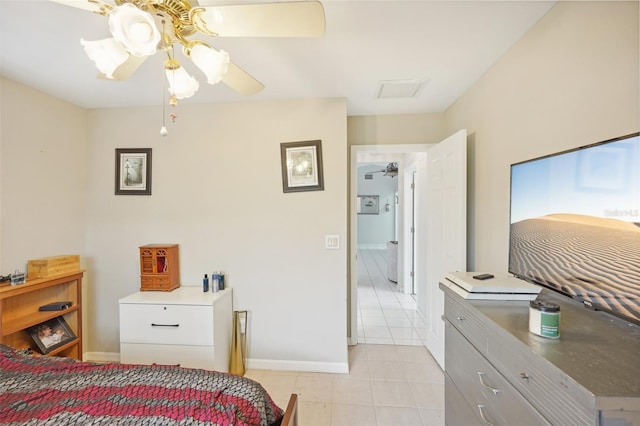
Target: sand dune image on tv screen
[(586, 257)]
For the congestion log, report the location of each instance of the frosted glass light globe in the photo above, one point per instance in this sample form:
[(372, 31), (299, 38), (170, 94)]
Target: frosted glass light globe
[(135, 29), (141, 32)]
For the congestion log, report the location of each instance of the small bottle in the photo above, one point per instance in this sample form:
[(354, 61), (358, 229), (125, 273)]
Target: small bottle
[(205, 283), (216, 282), (220, 280)]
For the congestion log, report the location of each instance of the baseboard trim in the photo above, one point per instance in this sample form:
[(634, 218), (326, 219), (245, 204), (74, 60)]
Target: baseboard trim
[(101, 356), (255, 364), (306, 366)]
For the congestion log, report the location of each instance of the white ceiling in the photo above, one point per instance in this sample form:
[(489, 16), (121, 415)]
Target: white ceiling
[(449, 43)]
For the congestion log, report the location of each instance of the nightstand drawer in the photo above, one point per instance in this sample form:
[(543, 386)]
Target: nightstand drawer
[(166, 324), (183, 356)]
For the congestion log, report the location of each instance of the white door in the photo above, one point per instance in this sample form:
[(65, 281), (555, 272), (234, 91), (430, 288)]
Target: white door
[(446, 230)]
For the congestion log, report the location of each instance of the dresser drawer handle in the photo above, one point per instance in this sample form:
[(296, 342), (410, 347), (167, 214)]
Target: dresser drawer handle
[(164, 325), (481, 376), (460, 318), (484, 420)]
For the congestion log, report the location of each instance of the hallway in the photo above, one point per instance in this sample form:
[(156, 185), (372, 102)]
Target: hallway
[(385, 315)]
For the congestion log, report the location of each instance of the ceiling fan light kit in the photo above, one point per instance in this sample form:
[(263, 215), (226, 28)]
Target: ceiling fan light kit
[(135, 29), (181, 84), (391, 170), (142, 27), (107, 54), (213, 63)]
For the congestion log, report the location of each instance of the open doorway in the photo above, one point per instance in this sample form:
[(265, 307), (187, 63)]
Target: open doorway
[(439, 226), (370, 258)]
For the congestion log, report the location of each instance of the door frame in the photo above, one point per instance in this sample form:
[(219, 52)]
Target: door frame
[(376, 153), (414, 240)]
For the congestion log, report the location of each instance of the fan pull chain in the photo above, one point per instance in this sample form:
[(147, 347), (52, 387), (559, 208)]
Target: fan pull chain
[(163, 129)]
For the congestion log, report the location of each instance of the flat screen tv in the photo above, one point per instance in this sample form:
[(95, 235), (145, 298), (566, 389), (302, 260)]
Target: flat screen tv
[(575, 224)]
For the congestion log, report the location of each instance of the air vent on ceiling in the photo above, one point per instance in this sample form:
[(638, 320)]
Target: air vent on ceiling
[(400, 88)]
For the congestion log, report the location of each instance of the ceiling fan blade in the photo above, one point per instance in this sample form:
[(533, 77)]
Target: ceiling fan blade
[(101, 7), (240, 81), (286, 19), (126, 69)]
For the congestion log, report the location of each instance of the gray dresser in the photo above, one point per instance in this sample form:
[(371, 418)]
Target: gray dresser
[(498, 373)]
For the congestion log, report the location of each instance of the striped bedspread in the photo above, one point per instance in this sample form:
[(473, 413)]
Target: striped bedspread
[(42, 390)]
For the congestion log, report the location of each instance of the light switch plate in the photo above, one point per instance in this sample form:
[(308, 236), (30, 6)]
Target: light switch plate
[(332, 242)]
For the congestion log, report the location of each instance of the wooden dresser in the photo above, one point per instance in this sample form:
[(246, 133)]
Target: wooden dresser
[(185, 327), (499, 373), (19, 311)]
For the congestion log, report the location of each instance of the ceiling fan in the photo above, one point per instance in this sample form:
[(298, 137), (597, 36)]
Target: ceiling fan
[(140, 28), (390, 170)]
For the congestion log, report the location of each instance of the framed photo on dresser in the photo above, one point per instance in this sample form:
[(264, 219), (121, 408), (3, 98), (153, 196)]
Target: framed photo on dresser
[(51, 334)]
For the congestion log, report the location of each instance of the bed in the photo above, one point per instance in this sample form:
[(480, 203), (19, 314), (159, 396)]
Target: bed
[(62, 391)]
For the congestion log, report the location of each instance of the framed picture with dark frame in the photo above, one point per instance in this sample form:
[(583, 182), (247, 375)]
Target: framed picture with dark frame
[(301, 166), (368, 204), (51, 334), (133, 171)]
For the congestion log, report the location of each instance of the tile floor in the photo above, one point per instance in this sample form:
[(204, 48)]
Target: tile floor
[(387, 385), (385, 315), (393, 380)]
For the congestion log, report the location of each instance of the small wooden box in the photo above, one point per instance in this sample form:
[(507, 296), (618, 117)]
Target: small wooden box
[(54, 265), (159, 267)]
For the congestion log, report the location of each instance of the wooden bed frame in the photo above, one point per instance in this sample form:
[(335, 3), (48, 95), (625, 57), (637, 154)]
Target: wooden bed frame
[(290, 417)]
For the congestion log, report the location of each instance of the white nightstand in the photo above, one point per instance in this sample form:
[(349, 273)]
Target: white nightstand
[(185, 327)]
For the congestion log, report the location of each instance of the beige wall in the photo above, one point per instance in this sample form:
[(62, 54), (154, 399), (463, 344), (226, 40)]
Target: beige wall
[(395, 129), (571, 81), (43, 176), (217, 191)]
